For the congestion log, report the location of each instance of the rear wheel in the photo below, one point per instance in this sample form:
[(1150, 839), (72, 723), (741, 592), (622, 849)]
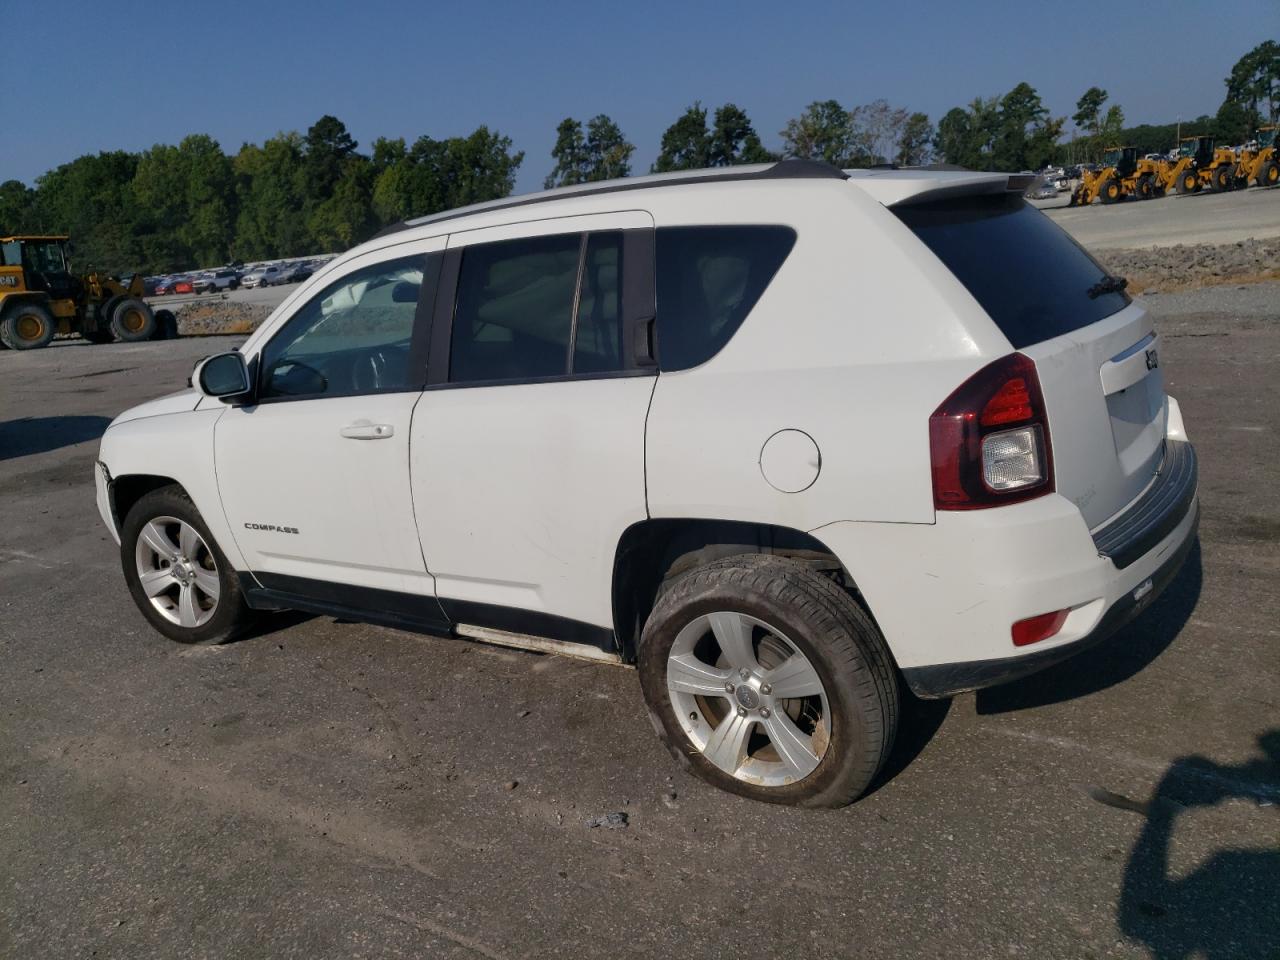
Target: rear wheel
[(1188, 182), (1220, 179), (27, 326), (166, 326), (1269, 175), (1143, 189), (133, 321), (179, 578), (1110, 191), (766, 679)]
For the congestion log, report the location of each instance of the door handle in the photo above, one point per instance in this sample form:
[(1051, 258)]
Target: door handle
[(363, 430)]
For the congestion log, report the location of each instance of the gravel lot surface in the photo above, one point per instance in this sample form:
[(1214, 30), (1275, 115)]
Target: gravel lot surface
[(327, 789)]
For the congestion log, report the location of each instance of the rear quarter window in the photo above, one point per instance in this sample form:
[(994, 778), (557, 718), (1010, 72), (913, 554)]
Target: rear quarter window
[(1029, 275), (708, 279)]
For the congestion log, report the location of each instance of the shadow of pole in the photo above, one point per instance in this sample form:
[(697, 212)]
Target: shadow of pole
[(1228, 908)]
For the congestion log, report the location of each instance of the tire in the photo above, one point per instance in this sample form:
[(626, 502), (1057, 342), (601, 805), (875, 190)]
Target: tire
[(1188, 182), (132, 321), (1269, 174), (166, 326), (778, 607), (1143, 190), (1220, 179), (27, 326), (1110, 191), (215, 615)]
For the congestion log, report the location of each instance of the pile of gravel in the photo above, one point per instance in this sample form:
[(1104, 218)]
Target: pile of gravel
[(220, 316), (1184, 267)]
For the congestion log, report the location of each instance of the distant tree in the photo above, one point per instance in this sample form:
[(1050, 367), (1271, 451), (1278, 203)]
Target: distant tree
[(17, 202), (876, 131), (325, 151), (914, 144), (966, 136), (1088, 110), (686, 144), (602, 153), (91, 198), (570, 155), (824, 131), (1254, 83), (435, 175), (733, 140), (271, 188)]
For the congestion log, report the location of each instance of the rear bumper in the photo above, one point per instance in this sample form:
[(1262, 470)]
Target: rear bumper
[(949, 679), (946, 594)]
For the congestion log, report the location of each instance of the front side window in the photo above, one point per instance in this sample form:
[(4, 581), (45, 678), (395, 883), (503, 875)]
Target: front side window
[(351, 338), (709, 278)]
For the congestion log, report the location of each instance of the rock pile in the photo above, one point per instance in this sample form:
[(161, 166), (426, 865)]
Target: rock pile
[(1182, 267)]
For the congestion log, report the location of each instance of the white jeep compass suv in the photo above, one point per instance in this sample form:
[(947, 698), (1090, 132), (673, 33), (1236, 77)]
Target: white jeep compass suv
[(784, 437)]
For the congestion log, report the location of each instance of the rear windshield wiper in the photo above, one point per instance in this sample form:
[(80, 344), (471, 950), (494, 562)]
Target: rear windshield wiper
[(1108, 284)]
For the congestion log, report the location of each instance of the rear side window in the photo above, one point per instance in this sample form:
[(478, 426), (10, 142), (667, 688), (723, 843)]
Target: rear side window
[(1033, 280), (515, 309), (708, 280)]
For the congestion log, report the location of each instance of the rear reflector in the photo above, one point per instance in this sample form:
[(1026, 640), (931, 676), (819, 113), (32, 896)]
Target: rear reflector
[(1042, 627)]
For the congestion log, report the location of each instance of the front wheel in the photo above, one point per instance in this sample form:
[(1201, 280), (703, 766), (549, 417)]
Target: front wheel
[(178, 576), (133, 321), (1269, 175), (27, 326), (766, 679)]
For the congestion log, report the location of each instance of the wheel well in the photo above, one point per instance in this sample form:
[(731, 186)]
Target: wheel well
[(653, 551), (128, 490)]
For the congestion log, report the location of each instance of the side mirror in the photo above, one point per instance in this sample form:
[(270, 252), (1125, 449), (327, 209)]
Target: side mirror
[(224, 375)]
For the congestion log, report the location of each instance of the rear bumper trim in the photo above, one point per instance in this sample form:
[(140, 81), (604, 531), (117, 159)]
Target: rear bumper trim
[(949, 679), (1151, 517)]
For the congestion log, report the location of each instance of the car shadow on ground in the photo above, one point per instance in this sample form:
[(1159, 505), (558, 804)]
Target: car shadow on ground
[(21, 438), (1115, 660), (918, 722), (1229, 905)]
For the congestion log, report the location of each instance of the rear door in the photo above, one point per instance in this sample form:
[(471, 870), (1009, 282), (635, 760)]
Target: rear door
[(527, 448), (1096, 352)]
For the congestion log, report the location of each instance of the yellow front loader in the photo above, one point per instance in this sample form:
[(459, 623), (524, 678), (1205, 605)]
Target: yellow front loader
[(40, 298), (1122, 174), (1259, 164)]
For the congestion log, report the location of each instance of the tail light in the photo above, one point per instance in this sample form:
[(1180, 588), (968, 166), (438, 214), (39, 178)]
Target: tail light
[(989, 441)]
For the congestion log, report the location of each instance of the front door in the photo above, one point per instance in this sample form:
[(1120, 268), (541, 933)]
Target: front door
[(314, 476)]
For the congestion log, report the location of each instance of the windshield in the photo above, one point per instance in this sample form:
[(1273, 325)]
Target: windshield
[(1033, 280), (44, 256)]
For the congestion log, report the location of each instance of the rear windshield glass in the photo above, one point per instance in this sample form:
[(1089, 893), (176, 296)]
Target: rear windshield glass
[(1026, 271)]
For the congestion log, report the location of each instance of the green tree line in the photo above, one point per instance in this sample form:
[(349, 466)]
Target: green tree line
[(177, 207)]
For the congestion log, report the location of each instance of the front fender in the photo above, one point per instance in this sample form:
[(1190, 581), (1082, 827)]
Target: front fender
[(178, 446)]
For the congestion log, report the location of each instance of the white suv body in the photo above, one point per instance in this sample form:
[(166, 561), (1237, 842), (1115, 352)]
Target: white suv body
[(446, 457)]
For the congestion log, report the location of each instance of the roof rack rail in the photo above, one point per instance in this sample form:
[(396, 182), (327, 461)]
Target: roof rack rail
[(793, 168)]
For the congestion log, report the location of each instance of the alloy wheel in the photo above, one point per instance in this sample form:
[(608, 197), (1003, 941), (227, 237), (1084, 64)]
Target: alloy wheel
[(177, 571), (748, 699)]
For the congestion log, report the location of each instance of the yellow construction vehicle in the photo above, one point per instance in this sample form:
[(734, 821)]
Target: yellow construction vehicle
[(1215, 166), (1260, 163), (40, 297), (1122, 174), (1181, 175)]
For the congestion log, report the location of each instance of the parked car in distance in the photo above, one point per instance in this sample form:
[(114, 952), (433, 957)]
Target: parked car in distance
[(1042, 189), (262, 277), (296, 272), (217, 280), (782, 436)]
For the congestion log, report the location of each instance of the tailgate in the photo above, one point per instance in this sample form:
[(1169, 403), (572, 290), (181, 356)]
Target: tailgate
[(1104, 390)]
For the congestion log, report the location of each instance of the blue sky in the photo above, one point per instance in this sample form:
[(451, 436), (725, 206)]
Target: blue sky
[(127, 75)]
